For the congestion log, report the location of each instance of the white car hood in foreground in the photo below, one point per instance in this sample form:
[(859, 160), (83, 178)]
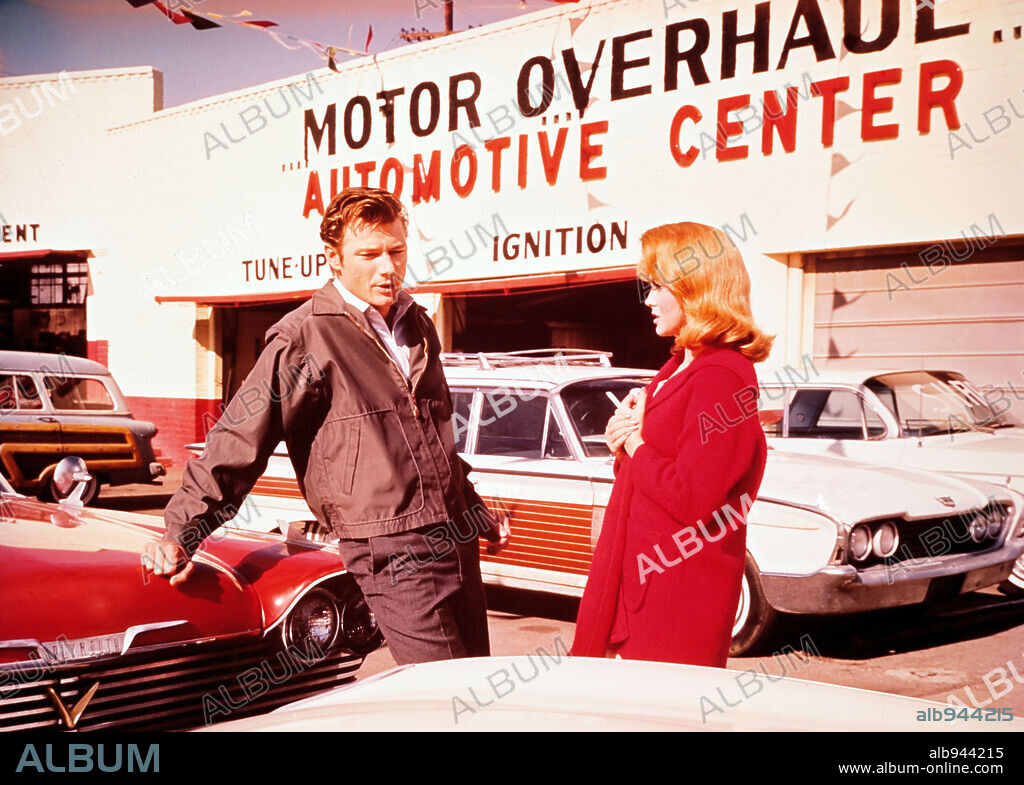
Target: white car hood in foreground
[(558, 692), (852, 491)]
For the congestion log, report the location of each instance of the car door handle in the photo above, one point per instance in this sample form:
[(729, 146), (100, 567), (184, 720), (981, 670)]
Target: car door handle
[(48, 419)]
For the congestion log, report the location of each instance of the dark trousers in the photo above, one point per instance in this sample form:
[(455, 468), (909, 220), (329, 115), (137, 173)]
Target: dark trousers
[(424, 588)]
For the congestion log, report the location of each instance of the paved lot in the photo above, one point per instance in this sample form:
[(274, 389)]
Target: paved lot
[(971, 648)]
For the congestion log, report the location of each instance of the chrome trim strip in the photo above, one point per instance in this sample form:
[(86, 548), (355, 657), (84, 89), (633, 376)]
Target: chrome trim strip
[(300, 596), (137, 629)]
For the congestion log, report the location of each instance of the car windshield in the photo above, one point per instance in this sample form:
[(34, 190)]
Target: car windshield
[(926, 403), (589, 407)]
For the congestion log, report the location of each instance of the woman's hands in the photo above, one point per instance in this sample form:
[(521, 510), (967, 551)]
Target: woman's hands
[(623, 429)]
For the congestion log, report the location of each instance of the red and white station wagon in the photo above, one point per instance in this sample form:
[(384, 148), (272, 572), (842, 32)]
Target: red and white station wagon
[(826, 535)]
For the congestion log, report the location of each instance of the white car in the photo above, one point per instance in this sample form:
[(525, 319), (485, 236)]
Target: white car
[(558, 692), (935, 420), (826, 535)]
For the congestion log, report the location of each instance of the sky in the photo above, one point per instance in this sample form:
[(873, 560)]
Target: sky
[(48, 36)]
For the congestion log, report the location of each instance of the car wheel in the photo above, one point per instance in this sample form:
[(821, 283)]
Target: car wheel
[(51, 494), (754, 616)]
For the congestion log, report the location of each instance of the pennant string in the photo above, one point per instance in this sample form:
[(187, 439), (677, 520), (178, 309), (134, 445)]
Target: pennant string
[(204, 21)]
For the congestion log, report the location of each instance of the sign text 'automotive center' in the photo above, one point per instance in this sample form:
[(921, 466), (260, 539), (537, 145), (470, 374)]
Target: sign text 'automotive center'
[(638, 62)]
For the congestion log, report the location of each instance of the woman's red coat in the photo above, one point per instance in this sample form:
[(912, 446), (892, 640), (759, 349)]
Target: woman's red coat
[(650, 596)]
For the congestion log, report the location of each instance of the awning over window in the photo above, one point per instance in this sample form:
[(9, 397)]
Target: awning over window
[(484, 286), (40, 253)]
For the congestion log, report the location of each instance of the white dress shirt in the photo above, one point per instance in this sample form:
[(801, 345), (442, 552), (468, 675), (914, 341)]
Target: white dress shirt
[(398, 340)]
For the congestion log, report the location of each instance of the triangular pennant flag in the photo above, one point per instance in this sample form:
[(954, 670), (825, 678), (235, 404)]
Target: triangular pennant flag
[(843, 109), (174, 16), (259, 23), (369, 37), (839, 299), (199, 22), (593, 202), (839, 162), (574, 23), (834, 353), (139, 3), (423, 237), (833, 220)]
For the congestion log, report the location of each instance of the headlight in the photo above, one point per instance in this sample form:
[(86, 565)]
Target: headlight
[(886, 540), (860, 542), (996, 517), (978, 527), (359, 631), (312, 627)]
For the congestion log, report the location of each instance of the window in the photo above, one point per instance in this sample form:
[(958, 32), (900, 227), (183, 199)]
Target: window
[(462, 404), (59, 283), (75, 393), (18, 392), (831, 414), (589, 405), (555, 445), (512, 424)]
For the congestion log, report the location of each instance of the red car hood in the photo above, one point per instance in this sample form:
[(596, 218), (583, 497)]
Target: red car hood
[(78, 574)]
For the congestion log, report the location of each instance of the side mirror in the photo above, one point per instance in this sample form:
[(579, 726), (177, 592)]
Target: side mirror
[(70, 473)]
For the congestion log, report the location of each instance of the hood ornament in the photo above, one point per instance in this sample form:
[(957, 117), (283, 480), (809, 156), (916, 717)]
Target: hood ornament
[(946, 500), (72, 717)]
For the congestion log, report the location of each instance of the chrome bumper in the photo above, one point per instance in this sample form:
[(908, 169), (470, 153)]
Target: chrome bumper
[(845, 589)]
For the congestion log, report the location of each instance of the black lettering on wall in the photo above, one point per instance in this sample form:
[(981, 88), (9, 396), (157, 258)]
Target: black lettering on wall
[(852, 39), (317, 131), (731, 39), (694, 56), (620, 65), (364, 104), (433, 113), (387, 108), (580, 91), (468, 103), (547, 86), (925, 29), (817, 33)]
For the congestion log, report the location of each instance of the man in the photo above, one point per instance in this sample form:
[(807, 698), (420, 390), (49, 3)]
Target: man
[(352, 381)]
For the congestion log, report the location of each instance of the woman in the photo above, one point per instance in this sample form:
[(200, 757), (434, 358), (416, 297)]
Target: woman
[(665, 580)]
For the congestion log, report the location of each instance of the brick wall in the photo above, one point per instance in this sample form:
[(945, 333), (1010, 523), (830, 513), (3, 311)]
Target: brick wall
[(179, 421), (99, 351)]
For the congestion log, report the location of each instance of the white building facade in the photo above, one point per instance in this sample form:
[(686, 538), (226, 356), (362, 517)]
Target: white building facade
[(864, 155)]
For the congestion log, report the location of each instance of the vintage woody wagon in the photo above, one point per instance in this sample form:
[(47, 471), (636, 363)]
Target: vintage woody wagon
[(826, 535), (53, 405)]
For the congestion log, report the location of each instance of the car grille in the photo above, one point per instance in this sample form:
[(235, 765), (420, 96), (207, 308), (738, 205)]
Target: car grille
[(190, 687), (932, 537)]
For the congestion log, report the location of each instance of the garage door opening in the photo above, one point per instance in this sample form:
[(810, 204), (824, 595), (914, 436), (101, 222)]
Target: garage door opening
[(604, 316)]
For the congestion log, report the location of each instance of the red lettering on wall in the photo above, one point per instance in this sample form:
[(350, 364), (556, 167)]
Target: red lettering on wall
[(314, 197), (929, 98), (684, 113), (589, 151), (727, 128), (872, 105)]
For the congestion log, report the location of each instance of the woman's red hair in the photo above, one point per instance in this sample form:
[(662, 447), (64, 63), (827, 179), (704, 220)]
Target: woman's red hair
[(705, 272)]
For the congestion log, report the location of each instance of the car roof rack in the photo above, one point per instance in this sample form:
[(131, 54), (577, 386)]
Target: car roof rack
[(491, 360)]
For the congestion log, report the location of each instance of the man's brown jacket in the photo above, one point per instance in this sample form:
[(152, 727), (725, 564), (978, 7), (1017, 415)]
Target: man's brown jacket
[(373, 453)]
